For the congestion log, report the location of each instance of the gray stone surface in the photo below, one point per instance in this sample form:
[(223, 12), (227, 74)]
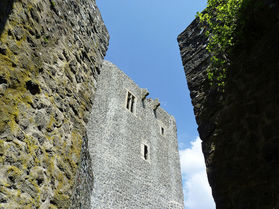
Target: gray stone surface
[(123, 178)]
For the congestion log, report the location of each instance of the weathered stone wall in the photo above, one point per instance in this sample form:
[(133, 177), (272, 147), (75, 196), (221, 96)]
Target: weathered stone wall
[(122, 177), (50, 55), (239, 128)]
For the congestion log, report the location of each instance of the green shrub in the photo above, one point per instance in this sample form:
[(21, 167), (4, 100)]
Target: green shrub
[(222, 18)]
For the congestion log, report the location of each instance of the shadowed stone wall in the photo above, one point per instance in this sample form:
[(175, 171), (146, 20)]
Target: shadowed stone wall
[(123, 178), (239, 128), (50, 55)]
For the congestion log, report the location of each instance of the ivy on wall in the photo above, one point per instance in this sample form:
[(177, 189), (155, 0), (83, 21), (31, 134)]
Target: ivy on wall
[(222, 19)]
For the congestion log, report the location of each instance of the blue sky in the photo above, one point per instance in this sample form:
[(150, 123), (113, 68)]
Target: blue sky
[(143, 44)]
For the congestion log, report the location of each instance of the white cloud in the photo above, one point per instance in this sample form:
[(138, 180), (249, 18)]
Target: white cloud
[(197, 193)]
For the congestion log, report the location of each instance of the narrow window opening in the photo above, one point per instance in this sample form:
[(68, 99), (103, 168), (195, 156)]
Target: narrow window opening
[(145, 152), (162, 131), (130, 104), (128, 100)]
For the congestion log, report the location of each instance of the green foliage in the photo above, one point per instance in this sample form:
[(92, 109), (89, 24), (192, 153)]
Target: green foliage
[(221, 17), (52, 2), (45, 39)]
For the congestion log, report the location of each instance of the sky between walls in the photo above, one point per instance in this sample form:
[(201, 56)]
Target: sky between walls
[(143, 44)]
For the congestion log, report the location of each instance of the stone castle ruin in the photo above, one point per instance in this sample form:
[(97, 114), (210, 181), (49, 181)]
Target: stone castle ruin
[(133, 146), (55, 152), (76, 132)]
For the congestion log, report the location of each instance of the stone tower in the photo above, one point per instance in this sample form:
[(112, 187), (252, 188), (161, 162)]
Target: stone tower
[(133, 145)]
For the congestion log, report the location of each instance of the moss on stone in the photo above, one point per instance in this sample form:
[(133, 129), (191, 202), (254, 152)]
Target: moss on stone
[(24, 59)]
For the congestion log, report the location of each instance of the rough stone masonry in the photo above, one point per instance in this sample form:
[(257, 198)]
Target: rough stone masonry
[(133, 145), (239, 128), (51, 53)]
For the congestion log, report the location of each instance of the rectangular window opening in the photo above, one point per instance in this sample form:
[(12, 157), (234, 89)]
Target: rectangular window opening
[(130, 104), (162, 131), (128, 100), (145, 152)]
